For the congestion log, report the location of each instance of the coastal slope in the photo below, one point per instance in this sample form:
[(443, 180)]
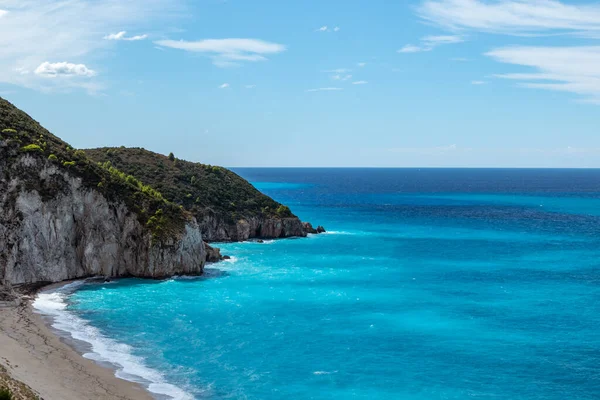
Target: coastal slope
[(62, 216), (227, 207)]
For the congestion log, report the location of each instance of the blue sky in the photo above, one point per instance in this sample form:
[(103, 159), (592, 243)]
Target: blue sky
[(417, 83)]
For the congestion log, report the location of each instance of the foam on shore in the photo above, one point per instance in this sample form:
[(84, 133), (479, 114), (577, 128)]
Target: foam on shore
[(54, 302)]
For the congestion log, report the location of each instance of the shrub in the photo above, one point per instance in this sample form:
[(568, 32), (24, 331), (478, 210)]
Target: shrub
[(68, 164), (9, 130), (284, 211), (171, 157), (32, 148), (52, 157), (5, 394), (80, 154)]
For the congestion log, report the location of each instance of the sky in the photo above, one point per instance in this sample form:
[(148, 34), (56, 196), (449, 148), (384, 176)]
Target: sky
[(296, 83)]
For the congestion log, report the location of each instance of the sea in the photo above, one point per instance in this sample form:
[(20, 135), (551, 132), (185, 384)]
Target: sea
[(429, 284)]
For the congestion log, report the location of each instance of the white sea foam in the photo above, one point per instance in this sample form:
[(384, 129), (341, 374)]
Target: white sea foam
[(231, 260), (324, 372), (53, 303)]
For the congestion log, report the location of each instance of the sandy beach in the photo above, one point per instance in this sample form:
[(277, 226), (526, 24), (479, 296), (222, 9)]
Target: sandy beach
[(33, 355)]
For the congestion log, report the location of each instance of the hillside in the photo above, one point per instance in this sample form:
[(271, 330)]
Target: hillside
[(226, 205), (58, 208)]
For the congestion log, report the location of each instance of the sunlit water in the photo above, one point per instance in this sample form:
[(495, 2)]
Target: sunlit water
[(430, 284)]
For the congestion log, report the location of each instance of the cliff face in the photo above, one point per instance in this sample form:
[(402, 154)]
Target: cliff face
[(217, 229), (64, 217), (79, 233), (227, 207)]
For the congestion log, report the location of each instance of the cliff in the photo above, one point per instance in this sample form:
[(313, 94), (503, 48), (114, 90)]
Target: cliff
[(227, 207), (63, 216)]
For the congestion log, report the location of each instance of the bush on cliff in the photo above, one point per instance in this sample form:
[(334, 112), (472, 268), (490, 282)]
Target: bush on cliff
[(202, 189), (5, 394)]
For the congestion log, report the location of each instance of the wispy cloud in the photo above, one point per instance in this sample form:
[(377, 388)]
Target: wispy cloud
[(362, 64), (513, 16), (360, 82), (227, 52), (33, 32), (121, 36), (325, 89), (428, 43), (409, 48), (63, 69), (338, 71), (250, 86), (339, 77), (567, 69), (478, 82), (224, 86), (326, 28)]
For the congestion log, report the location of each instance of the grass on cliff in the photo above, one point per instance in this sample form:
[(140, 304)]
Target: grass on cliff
[(20, 134), (200, 188)]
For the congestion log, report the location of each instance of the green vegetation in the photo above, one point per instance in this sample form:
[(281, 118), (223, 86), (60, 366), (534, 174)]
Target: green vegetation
[(205, 190), (23, 134), (5, 394), (171, 157), (31, 148), (284, 211)]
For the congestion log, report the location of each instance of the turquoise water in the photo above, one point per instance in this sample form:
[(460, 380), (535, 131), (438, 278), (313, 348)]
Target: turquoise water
[(433, 284)]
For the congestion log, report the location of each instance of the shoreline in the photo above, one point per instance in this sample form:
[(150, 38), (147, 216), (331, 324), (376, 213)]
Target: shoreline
[(35, 355)]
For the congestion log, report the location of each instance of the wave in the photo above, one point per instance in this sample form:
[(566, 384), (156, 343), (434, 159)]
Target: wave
[(324, 372), (53, 303)]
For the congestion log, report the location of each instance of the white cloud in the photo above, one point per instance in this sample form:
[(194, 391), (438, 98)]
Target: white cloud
[(338, 70), (460, 59), (224, 86), (115, 36), (432, 41), (341, 77), (227, 52), (409, 48), (2, 13), (362, 64), (360, 82), (428, 43), (250, 86), (38, 31), (325, 89), (336, 29), (513, 16), (322, 29), (60, 69), (478, 82), (121, 36), (568, 69)]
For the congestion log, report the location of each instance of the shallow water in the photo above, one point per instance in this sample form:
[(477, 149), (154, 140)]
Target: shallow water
[(431, 284)]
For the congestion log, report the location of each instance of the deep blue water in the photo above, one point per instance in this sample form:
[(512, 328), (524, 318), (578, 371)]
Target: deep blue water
[(431, 284)]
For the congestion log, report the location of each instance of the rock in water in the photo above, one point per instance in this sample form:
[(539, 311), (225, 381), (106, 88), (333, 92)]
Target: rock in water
[(309, 228), (213, 254)]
